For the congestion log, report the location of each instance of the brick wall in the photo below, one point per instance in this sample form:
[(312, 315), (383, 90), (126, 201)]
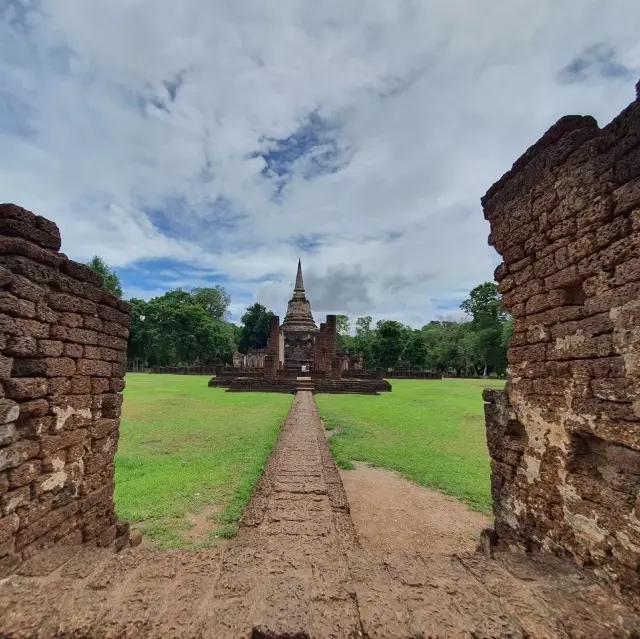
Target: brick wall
[(63, 347), (565, 438), (331, 346), (319, 364)]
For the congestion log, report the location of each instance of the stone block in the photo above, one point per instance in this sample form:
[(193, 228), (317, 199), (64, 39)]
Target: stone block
[(17, 453), (8, 434), (24, 474)]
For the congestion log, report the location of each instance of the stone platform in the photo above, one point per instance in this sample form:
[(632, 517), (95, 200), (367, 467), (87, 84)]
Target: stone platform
[(289, 384)]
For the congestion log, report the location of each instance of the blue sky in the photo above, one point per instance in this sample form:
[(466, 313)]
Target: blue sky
[(201, 143)]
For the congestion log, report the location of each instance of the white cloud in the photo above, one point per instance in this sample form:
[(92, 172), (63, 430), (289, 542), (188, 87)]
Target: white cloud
[(428, 103)]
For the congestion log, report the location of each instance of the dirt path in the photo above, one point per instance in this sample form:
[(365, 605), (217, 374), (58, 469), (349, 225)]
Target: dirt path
[(392, 514), (297, 570)]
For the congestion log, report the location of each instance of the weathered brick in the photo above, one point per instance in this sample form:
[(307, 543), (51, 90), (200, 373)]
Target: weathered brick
[(9, 411), (73, 350), (15, 306), (24, 474), (8, 433), (102, 427), (112, 315), (92, 352), (112, 342), (29, 328), (45, 314), (94, 368), (52, 443), (8, 527), (99, 385), (14, 499), (82, 336), (6, 365), (627, 197), (17, 453), (26, 388), (72, 320), (44, 367), (59, 386), (21, 346), (70, 303), (35, 427), (46, 523)]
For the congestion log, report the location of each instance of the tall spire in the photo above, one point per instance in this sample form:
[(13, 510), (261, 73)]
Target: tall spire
[(299, 315), (299, 287)]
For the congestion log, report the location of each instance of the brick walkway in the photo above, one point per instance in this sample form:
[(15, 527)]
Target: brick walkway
[(296, 570)]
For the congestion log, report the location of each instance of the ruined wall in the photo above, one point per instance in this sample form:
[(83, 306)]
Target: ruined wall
[(319, 364), (332, 362), (63, 347), (565, 442), (271, 359)]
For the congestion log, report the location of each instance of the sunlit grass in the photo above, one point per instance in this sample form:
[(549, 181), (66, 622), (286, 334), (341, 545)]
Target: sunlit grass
[(430, 431), (184, 446)]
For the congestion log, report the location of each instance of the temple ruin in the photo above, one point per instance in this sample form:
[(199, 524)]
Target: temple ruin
[(63, 345), (564, 437), (300, 355)]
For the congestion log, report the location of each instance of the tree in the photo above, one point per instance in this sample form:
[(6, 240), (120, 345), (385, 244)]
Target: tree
[(214, 300), (254, 331), (363, 325), (364, 341), (177, 329), (484, 305), (415, 351), (389, 344), (342, 324), (110, 280)]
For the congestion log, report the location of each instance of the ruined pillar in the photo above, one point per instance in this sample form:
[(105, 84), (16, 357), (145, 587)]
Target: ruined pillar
[(63, 352), (271, 359), (564, 438), (320, 347), (331, 343)]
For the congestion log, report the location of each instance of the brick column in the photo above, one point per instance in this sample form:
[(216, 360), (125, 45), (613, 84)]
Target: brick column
[(320, 346), (565, 438), (63, 345), (332, 367)]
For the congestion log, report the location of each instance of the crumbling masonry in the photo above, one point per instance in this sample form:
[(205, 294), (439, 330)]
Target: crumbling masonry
[(564, 438), (63, 343)]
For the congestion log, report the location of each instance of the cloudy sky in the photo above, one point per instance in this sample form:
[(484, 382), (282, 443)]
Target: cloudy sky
[(214, 141)]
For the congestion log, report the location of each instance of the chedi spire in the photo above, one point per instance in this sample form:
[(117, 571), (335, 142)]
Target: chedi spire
[(299, 315), (299, 287)]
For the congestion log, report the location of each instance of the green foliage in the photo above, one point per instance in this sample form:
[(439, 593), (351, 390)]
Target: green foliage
[(110, 280), (488, 345), (185, 448), (389, 343), (415, 351), (254, 331), (214, 300), (477, 346), (342, 324), (182, 328), (432, 432)]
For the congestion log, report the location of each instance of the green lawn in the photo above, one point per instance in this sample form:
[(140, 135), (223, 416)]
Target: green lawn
[(430, 431), (185, 448)]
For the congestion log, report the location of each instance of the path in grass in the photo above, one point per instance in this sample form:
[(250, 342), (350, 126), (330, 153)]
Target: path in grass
[(186, 449), (430, 431)]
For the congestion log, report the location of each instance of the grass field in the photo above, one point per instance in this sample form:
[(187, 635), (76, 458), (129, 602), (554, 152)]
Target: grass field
[(187, 449), (430, 431)]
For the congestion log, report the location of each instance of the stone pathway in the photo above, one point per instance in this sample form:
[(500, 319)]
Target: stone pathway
[(296, 570)]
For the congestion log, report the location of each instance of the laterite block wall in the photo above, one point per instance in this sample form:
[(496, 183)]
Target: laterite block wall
[(63, 343), (565, 438)]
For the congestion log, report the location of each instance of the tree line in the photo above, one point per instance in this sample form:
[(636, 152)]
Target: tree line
[(474, 346), (181, 328)]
